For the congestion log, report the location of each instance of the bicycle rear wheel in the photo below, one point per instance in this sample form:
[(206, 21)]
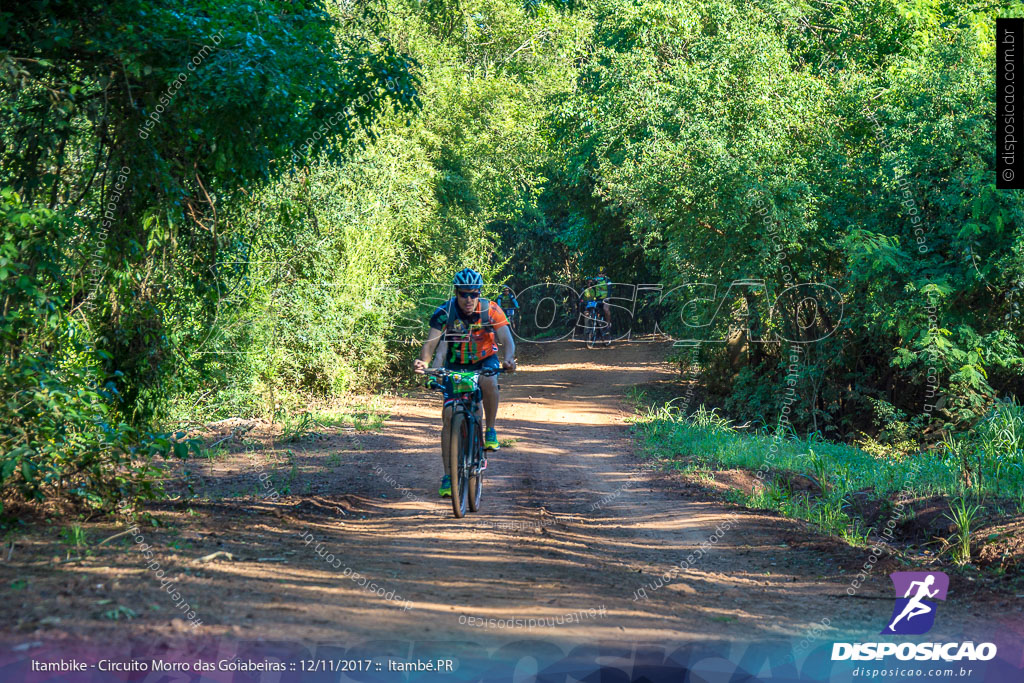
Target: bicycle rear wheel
[(457, 447), (474, 456)]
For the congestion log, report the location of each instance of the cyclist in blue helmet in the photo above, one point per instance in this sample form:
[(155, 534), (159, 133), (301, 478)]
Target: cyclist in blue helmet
[(466, 333)]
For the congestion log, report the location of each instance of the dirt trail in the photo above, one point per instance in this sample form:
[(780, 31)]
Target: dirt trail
[(571, 523)]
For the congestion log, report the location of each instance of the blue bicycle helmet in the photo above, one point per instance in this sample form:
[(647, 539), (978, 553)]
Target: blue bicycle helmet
[(467, 277)]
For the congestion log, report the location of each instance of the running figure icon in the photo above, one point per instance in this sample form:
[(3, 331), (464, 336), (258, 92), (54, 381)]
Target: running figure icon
[(915, 607), (914, 612)]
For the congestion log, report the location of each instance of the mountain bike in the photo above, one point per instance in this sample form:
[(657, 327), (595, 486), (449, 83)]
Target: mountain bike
[(466, 439), (510, 314)]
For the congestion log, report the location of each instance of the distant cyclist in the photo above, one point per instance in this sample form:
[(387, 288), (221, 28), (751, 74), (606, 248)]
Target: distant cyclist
[(591, 294), (601, 287), (507, 302), (466, 332)]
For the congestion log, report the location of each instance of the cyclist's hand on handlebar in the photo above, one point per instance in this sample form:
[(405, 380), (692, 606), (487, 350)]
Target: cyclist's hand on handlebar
[(418, 366), (509, 365)]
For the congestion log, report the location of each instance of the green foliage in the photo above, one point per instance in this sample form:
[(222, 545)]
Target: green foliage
[(60, 431), (1002, 430), (991, 455), (361, 417), (118, 612), (74, 535), (844, 144), (705, 441), (896, 434), (126, 132), (219, 83), (297, 428), (349, 260)]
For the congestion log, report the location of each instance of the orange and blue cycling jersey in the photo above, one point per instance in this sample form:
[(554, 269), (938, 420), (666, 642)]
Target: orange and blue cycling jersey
[(469, 340)]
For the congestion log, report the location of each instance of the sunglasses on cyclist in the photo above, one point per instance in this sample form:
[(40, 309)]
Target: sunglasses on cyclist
[(469, 295)]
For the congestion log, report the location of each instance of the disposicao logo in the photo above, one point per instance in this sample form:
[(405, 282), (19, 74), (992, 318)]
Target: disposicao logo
[(914, 614)]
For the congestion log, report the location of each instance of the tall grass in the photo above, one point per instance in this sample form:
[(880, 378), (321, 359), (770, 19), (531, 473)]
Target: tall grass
[(988, 461), (962, 515)]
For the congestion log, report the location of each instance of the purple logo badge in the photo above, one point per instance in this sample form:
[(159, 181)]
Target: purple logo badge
[(914, 612)]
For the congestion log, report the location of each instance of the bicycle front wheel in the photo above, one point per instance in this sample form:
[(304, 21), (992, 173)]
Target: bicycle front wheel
[(590, 334), (458, 446)]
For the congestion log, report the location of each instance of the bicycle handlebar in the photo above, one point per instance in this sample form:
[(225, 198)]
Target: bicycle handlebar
[(444, 372)]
